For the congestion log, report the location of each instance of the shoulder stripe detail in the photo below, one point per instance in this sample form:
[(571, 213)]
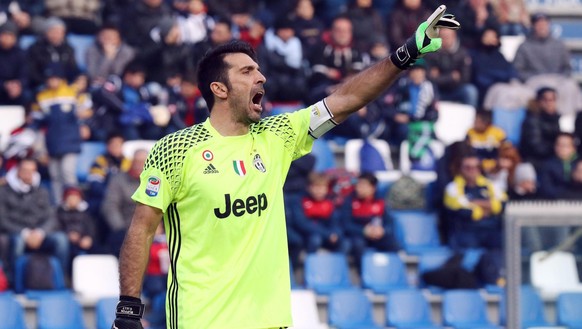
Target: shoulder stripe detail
[(168, 153), (280, 125), (174, 245)]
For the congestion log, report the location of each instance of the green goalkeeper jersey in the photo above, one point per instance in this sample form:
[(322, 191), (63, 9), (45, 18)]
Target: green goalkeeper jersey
[(222, 199)]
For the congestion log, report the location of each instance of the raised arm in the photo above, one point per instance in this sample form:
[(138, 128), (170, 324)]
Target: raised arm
[(367, 85), (132, 264)]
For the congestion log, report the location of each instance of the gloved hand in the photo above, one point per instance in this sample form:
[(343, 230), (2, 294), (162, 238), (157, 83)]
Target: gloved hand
[(425, 40), (128, 313)]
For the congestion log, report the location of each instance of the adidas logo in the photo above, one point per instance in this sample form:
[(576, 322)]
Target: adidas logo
[(211, 169)]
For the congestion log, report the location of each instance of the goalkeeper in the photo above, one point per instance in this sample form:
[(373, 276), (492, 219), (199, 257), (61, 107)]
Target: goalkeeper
[(218, 186)]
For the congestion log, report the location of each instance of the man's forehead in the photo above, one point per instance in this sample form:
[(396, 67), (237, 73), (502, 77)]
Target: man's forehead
[(239, 60)]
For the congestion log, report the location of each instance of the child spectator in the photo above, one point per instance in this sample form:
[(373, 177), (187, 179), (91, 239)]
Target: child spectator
[(525, 184), (485, 139), (56, 110), (415, 105), (503, 175), (556, 172), (75, 220), (319, 222), (365, 220)]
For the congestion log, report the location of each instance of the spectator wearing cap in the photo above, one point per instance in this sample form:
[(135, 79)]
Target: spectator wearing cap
[(165, 52), (13, 67), (51, 47), (525, 183), (543, 60), (75, 220), (55, 108), (108, 55), (540, 128), (281, 58)]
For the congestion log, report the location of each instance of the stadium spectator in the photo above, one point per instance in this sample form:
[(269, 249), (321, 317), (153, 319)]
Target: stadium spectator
[(81, 17), (281, 58), (474, 207), (158, 265), (195, 24), (190, 106), (319, 220), (293, 190), (307, 26), (414, 101), (117, 205), (112, 11), (51, 47), (541, 53), (84, 106), (507, 159), (574, 189), (365, 220), (450, 70), (489, 66), (540, 128), (245, 26), (368, 24), (486, 139), (165, 52), (75, 220), (556, 172), (543, 60), (219, 35), (139, 18), (13, 68), (335, 60), (525, 183), (513, 16), (108, 55), (27, 216), (56, 110), (404, 18), (475, 16), (122, 105), (105, 166)]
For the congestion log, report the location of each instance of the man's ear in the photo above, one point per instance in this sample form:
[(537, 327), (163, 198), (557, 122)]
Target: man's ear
[(219, 89)]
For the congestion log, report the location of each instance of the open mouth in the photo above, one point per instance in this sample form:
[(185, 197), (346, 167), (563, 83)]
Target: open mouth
[(258, 98)]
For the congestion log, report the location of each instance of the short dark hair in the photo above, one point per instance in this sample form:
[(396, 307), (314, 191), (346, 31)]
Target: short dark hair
[(370, 177), (485, 115), (543, 90), (213, 68), (114, 135)]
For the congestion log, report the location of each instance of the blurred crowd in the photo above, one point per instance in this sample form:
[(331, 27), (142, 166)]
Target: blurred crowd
[(137, 81)]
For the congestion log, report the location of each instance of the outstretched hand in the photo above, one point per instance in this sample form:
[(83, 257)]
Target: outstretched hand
[(425, 39)]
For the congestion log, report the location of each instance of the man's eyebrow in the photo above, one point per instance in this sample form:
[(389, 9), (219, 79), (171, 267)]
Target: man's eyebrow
[(250, 68)]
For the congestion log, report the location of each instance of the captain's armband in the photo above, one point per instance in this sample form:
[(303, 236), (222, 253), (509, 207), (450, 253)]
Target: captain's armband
[(321, 120)]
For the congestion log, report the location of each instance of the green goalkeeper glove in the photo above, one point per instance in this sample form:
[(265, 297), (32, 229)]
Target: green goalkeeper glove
[(425, 40)]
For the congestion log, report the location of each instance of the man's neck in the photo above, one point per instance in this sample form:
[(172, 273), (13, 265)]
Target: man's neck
[(223, 122)]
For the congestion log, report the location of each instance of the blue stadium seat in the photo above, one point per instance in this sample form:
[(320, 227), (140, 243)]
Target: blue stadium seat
[(89, 151), (80, 43), (568, 306), (326, 272), (11, 312), (532, 309), (20, 275), (324, 157), (416, 230), (59, 310), (464, 308), (383, 272), (350, 309), (510, 121), (408, 309), (105, 312)]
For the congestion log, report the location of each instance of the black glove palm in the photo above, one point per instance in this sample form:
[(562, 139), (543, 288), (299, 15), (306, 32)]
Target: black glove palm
[(128, 313)]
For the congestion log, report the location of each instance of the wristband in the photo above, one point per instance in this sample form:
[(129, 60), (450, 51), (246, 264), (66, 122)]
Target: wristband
[(129, 307)]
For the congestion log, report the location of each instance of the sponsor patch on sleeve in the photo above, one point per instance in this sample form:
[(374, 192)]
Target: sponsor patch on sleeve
[(153, 186)]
